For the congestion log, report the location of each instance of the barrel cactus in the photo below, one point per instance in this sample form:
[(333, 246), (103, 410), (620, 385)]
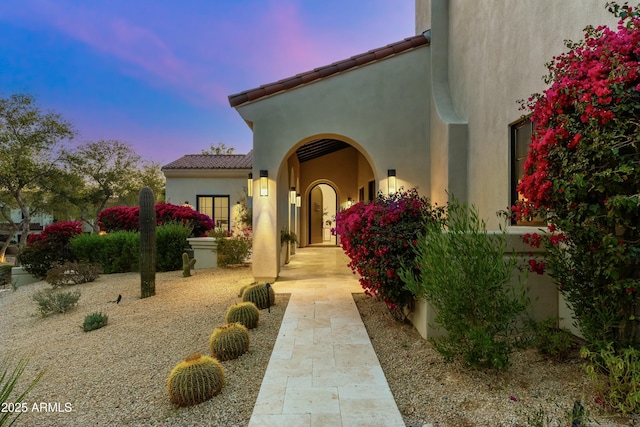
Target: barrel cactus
[(147, 243), (196, 379), (229, 341), (263, 296), (245, 313)]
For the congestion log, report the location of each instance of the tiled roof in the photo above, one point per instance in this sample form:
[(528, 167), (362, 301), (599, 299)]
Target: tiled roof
[(336, 67), (213, 161)]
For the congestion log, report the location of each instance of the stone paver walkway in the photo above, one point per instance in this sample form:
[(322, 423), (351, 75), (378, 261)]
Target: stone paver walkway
[(323, 370)]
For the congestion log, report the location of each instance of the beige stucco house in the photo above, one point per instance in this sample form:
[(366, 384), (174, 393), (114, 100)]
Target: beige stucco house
[(437, 111)]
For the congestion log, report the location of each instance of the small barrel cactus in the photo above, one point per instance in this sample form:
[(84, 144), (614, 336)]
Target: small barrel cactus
[(187, 264), (229, 341), (245, 313), (262, 296), (196, 379)]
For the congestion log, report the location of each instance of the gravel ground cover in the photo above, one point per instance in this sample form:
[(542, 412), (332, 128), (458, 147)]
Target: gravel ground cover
[(533, 392), (116, 375)]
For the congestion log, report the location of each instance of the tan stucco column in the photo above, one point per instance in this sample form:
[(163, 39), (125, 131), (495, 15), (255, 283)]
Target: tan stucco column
[(266, 238)]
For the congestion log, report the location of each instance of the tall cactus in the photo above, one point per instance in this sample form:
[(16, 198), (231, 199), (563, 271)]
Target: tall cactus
[(147, 243)]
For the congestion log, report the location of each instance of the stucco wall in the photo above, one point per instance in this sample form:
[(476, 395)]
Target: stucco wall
[(496, 55), (380, 108), (181, 187)]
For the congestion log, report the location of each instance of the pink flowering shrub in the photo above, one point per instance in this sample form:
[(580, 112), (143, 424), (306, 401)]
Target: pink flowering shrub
[(49, 248), (582, 175), (127, 218), (379, 237)]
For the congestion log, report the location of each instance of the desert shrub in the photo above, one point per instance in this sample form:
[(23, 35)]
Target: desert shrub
[(50, 301), (49, 248), (119, 251), (95, 321), (616, 374), (233, 250), (378, 237), (464, 273), (552, 341), (72, 273), (171, 240), (127, 218), (116, 252)]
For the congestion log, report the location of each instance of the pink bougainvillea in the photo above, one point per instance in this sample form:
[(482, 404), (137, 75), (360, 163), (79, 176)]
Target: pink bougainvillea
[(379, 237), (582, 174), (127, 218)]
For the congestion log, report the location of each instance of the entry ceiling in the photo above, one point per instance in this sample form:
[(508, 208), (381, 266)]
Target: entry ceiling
[(318, 148)]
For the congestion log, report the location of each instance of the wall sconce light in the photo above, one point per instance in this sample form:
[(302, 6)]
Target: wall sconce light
[(292, 196), (391, 180), (349, 202), (264, 182), (250, 185), (298, 200)]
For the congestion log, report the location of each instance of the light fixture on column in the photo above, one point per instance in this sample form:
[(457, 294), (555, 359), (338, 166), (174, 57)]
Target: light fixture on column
[(250, 185), (349, 202), (298, 200), (391, 180), (292, 196), (264, 182)]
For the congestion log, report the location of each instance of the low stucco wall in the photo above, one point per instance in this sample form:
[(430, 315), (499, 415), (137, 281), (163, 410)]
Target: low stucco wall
[(546, 301)]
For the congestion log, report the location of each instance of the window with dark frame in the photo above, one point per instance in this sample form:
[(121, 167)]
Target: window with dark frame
[(217, 207), (521, 133)]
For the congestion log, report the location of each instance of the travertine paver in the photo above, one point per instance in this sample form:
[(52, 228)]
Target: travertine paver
[(323, 370)]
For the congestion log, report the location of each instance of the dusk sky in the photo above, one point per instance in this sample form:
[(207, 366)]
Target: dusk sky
[(157, 73)]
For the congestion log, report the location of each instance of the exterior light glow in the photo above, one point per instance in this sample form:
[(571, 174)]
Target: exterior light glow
[(264, 182)]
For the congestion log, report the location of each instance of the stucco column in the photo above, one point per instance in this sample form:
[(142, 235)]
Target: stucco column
[(266, 237)]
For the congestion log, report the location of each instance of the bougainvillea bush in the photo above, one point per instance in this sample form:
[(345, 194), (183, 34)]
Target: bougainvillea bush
[(582, 175), (127, 218), (379, 237), (49, 248)]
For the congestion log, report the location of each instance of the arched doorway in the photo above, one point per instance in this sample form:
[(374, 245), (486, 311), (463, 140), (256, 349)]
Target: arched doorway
[(322, 208)]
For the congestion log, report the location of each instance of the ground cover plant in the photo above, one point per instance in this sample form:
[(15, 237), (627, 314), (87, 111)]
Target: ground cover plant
[(378, 237), (582, 176)]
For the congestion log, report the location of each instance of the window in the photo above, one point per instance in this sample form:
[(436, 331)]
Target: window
[(372, 190), (217, 207), (521, 133)]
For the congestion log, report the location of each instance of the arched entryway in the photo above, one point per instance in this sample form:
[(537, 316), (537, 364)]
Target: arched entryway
[(322, 207)]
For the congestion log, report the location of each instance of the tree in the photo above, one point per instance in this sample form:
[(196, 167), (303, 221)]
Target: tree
[(30, 145), (219, 149), (108, 170)]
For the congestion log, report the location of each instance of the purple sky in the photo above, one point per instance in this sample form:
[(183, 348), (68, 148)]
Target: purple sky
[(157, 73)]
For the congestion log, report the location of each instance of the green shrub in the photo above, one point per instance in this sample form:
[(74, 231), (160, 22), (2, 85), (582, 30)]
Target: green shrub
[(616, 374), (72, 273), (119, 251), (171, 240), (233, 250), (116, 252), (95, 321), (464, 273), (50, 301), (552, 341)]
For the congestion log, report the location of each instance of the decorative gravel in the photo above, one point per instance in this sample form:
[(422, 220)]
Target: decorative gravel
[(117, 375), (533, 392)]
